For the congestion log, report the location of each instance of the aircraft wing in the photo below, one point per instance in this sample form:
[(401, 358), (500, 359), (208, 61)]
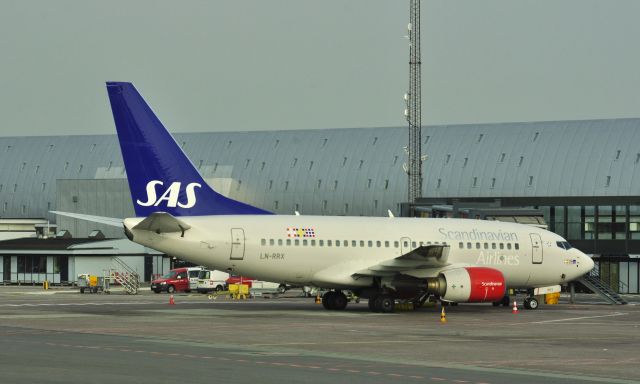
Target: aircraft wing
[(112, 221), (423, 257)]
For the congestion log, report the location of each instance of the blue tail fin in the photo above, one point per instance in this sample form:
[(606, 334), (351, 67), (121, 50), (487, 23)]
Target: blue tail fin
[(161, 177)]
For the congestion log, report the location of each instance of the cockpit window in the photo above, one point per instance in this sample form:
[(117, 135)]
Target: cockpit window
[(564, 245)]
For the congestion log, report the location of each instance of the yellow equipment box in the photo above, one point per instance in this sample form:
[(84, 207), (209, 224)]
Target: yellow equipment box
[(552, 298)]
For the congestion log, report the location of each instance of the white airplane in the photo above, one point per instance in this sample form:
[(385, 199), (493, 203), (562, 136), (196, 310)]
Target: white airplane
[(379, 258)]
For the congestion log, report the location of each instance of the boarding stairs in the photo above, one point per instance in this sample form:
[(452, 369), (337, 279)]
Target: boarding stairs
[(593, 282), (124, 275)]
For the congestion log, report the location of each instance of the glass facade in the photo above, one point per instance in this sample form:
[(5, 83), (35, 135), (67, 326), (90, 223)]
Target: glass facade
[(602, 222), (588, 222)]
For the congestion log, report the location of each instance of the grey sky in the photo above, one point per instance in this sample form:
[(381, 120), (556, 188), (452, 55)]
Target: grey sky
[(256, 64)]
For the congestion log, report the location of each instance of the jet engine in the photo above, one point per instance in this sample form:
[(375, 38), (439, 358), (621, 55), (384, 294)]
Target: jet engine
[(468, 285)]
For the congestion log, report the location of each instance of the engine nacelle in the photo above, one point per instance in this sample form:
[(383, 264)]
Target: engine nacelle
[(469, 285)]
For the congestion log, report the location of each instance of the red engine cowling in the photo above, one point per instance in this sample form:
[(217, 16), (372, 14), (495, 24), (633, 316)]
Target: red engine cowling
[(473, 285)]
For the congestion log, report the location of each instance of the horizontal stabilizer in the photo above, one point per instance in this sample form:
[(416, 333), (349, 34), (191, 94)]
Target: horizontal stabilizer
[(112, 221), (162, 222)]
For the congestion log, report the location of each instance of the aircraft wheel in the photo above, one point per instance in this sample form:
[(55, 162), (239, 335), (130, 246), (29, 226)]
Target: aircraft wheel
[(385, 304), (531, 303), (328, 301), (339, 301)]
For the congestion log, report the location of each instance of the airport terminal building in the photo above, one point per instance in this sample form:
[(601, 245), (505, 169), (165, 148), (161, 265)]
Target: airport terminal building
[(584, 176)]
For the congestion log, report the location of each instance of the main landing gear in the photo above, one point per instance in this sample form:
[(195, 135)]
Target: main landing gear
[(335, 300), (383, 302)]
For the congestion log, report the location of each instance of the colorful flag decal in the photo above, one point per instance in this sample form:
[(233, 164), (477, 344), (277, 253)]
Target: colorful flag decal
[(301, 232)]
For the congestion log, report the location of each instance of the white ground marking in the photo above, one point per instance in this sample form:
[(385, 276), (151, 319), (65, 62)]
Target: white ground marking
[(576, 318)]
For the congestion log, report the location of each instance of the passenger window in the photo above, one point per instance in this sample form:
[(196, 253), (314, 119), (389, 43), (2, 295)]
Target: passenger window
[(263, 242), (337, 243), (353, 243), (517, 246), (321, 243), (501, 245), (313, 243), (413, 244), (477, 245), (378, 243), (493, 245), (396, 244), (461, 245), (386, 244), (486, 245), (405, 244), (296, 242), (279, 241), (362, 243), (428, 243), (421, 244), (345, 243), (272, 242), (304, 242), (468, 245), (508, 245), (370, 243), (328, 243)]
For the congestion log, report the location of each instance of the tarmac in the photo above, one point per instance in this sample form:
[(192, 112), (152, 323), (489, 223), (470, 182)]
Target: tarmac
[(62, 336)]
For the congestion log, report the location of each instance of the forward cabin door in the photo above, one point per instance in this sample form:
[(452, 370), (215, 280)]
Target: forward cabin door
[(536, 248), (237, 243)]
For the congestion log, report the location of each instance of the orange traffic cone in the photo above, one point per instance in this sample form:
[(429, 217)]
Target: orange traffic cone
[(318, 299), (171, 300), (443, 316), (515, 307)]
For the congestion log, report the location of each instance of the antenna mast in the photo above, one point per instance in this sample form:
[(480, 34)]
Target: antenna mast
[(413, 99)]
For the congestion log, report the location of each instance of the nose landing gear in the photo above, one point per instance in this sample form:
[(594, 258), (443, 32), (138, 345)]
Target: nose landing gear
[(531, 303)]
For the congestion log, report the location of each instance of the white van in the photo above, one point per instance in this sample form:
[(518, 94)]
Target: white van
[(192, 274), (209, 281)]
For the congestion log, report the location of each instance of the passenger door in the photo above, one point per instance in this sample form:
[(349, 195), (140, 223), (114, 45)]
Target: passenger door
[(405, 245), (237, 243), (536, 248)]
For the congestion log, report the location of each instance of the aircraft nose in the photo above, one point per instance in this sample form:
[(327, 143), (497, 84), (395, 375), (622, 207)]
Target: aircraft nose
[(587, 263)]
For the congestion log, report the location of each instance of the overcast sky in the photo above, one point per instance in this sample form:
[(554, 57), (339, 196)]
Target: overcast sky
[(301, 64)]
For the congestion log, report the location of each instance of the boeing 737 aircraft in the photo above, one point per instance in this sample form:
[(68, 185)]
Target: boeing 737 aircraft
[(379, 258)]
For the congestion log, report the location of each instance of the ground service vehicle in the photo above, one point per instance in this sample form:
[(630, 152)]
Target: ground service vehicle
[(172, 281), (209, 281), (193, 273)]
